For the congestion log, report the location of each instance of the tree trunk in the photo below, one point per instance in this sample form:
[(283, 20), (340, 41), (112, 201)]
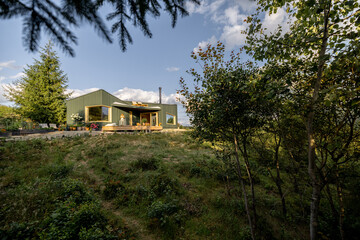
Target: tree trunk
[(331, 201), (241, 182), (341, 204), (278, 178), (315, 181), (248, 170)]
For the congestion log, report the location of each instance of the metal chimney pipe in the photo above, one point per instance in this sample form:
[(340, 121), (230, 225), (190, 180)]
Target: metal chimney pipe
[(160, 95)]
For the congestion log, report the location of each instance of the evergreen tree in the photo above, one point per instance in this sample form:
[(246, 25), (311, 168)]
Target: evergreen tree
[(40, 94)]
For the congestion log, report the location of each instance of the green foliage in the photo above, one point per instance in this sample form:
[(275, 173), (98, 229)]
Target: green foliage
[(40, 94), (166, 216), (226, 99), (316, 59), (59, 171), (7, 112), (75, 191), (69, 219), (112, 188), (76, 214), (163, 184), (54, 189), (146, 163)]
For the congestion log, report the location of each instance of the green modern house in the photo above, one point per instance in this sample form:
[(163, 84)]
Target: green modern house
[(115, 114)]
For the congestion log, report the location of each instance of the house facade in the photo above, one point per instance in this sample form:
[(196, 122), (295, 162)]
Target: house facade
[(104, 109)]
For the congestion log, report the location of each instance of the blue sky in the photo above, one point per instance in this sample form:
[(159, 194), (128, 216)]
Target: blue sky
[(148, 63)]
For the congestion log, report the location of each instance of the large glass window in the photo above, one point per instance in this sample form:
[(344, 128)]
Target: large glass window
[(99, 113), (170, 119)]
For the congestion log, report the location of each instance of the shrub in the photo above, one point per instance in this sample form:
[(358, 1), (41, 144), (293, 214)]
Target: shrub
[(166, 216), (112, 188), (59, 171), (97, 151), (145, 163), (75, 191), (162, 211), (67, 221), (162, 184), (95, 233), (18, 231)]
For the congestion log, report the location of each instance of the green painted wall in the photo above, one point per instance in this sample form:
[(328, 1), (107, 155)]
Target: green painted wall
[(101, 97)]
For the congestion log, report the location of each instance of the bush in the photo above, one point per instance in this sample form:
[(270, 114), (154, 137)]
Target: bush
[(145, 163), (97, 151), (67, 221), (18, 231), (75, 191), (166, 216), (162, 184), (112, 188), (95, 233), (162, 211), (59, 171)]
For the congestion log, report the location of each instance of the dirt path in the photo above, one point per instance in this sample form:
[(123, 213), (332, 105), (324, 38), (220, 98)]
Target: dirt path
[(131, 222)]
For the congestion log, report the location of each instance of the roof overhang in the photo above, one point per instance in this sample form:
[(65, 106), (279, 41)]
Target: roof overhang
[(137, 108)]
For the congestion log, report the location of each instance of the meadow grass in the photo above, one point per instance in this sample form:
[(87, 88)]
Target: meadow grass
[(145, 186)]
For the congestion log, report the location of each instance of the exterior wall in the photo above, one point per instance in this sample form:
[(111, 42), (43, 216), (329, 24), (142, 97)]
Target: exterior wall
[(168, 108), (108, 99), (101, 97)]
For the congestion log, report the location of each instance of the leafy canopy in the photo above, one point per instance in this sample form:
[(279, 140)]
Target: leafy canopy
[(229, 98)]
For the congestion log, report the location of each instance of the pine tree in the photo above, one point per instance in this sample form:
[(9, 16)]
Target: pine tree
[(40, 94)]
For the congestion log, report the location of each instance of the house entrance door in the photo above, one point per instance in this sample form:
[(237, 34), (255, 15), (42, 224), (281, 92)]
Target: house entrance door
[(151, 118)]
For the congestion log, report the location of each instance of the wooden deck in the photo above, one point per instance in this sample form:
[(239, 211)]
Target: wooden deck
[(130, 128)]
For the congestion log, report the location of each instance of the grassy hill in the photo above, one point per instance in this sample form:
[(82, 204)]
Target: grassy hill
[(154, 186)]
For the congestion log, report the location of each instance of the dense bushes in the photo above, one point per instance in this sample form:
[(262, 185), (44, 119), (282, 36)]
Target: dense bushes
[(77, 215), (44, 201)]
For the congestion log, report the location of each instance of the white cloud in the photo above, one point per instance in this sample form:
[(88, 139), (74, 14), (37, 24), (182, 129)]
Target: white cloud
[(172, 69), (232, 36), (273, 21), (3, 100), (183, 119), (229, 17), (78, 92), (204, 7), (18, 75), (247, 6), (131, 94), (9, 64), (203, 44)]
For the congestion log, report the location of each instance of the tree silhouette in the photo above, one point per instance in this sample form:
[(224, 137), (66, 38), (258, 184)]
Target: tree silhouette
[(56, 19)]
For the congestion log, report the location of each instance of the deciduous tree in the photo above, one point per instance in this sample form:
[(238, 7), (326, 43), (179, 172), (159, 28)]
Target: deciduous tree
[(227, 105), (321, 32)]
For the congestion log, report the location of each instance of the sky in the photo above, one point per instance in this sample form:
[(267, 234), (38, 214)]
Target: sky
[(148, 63)]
